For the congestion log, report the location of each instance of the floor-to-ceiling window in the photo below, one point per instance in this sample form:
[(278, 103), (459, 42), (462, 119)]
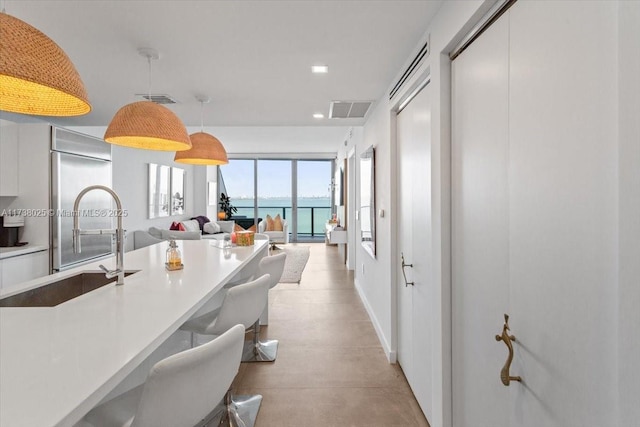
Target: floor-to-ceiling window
[(274, 189), (237, 181), (313, 197), (298, 190)]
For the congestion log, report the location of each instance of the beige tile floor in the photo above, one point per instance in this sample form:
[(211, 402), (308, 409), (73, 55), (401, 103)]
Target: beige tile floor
[(330, 370)]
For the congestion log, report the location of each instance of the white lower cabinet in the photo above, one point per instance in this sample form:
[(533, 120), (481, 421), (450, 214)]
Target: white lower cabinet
[(23, 268), (337, 236)]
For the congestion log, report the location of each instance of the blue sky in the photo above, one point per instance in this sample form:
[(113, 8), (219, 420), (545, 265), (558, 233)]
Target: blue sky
[(274, 178)]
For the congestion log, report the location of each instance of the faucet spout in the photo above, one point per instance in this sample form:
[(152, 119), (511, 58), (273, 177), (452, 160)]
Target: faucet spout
[(119, 232)]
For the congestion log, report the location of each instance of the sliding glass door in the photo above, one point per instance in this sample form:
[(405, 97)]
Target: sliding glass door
[(313, 197), (274, 189)]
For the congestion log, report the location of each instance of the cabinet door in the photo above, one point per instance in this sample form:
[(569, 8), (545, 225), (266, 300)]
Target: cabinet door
[(338, 236), (8, 158), (23, 268)]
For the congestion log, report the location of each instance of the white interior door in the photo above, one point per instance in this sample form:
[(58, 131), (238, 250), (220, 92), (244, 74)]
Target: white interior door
[(480, 228), (534, 217), (415, 323), (563, 215)]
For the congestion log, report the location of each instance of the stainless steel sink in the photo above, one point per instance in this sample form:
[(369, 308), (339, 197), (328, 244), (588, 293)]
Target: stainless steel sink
[(58, 292)]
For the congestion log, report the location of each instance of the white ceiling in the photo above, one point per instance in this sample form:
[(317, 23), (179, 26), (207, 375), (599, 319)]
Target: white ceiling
[(253, 58)]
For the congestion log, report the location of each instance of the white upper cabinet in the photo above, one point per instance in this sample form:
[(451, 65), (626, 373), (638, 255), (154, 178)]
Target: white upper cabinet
[(8, 158)]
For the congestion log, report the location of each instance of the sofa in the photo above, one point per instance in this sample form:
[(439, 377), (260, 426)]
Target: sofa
[(192, 230), (275, 236), (188, 230), (142, 239)]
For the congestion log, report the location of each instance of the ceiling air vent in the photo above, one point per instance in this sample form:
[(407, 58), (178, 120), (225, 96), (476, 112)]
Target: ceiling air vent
[(158, 98), (349, 109), (424, 53)]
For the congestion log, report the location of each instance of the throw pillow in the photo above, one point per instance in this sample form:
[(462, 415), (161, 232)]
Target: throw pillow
[(236, 227), (226, 226), (191, 225), (252, 228), (175, 225), (211, 228), (269, 223), (202, 220), (277, 223)]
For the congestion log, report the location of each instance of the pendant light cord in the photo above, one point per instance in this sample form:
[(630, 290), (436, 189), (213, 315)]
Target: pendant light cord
[(202, 116), (149, 88)]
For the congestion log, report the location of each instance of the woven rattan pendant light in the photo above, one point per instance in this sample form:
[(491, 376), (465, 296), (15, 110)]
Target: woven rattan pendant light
[(36, 76), (205, 149), (147, 125)]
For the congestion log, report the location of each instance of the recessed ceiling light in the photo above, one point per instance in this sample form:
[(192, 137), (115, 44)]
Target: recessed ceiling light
[(320, 69), (318, 116)]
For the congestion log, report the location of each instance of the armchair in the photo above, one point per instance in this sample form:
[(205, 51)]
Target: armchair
[(275, 236)]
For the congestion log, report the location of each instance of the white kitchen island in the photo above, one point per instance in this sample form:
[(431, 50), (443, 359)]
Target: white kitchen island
[(56, 363)]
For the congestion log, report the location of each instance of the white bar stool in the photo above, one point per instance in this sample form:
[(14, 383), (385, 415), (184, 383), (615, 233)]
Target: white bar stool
[(180, 391), (249, 271), (242, 304), (265, 351)]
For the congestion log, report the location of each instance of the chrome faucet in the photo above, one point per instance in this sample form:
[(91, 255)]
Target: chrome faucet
[(119, 232)]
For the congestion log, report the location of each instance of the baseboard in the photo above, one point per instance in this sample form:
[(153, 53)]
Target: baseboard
[(391, 354)]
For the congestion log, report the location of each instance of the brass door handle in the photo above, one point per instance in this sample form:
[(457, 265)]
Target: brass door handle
[(504, 373), (406, 283)]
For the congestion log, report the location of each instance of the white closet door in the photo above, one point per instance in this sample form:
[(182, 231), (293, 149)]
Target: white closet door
[(415, 302), (480, 228), (405, 245), (563, 215), (535, 201)]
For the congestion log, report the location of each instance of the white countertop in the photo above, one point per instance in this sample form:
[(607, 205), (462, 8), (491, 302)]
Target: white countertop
[(20, 250), (56, 363)]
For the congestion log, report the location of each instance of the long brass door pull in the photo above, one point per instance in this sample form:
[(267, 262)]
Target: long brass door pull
[(406, 283), (504, 373)]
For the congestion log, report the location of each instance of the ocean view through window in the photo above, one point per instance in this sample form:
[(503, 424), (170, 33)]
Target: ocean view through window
[(266, 187)]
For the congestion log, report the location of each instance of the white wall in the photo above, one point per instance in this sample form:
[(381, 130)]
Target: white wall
[(352, 139), (629, 212), (130, 181), (376, 284), (375, 278), (279, 139)]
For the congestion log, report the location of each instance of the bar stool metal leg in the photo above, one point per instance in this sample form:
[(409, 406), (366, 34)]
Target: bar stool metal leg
[(240, 411), (259, 351)]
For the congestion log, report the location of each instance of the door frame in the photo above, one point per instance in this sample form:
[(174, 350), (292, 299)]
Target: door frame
[(414, 204), (351, 208), (421, 80)]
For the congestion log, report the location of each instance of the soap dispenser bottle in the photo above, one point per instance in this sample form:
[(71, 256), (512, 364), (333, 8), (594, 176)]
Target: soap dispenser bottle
[(174, 257)]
